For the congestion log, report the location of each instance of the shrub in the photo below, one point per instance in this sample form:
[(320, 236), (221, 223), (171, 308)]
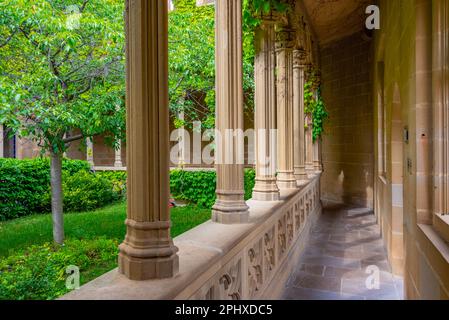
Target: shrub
[(39, 272), (85, 191), (25, 185), (194, 186), (199, 186), (250, 181), (118, 179)]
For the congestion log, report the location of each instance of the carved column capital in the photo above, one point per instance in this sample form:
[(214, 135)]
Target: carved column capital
[(284, 38), (299, 58)]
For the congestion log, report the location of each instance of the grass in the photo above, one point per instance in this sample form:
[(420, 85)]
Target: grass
[(107, 222), (31, 267)]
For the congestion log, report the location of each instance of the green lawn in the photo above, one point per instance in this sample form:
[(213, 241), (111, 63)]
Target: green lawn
[(107, 222), (31, 267)]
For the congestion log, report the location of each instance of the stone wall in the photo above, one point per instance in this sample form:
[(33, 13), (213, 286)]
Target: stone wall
[(404, 148), (347, 149)]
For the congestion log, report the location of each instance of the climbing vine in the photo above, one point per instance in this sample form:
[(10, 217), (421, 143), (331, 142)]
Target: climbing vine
[(314, 105), (253, 9)]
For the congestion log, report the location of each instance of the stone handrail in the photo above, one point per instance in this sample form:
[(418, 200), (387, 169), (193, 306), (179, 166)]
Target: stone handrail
[(217, 261)]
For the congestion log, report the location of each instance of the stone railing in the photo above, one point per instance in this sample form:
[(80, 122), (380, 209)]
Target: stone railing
[(220, 262)]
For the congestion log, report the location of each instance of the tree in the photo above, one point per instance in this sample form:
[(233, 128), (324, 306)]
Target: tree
[(192, 63), (62, 77)]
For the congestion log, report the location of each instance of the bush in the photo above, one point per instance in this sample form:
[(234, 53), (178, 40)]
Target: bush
[(250, 181), (194, 186), (39, 272), (118, 179), (85, 191), (25, 185), (199, 186)]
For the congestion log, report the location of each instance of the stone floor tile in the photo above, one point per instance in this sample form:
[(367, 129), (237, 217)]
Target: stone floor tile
[(358, 287), (343, 244), (312, 269), (309, 281), (333, 262), (312, 294), (359, 274)]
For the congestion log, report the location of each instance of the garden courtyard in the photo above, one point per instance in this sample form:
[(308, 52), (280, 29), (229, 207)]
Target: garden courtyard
[(224, 150)]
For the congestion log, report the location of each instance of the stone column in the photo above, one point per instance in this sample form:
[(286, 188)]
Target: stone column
[(2, 146), (284, 58), (298, 114), (320, 155), (309, 146), (440, 95), (265, 188), (316, 155), (147, 251), (230, 206), (90, 151), (118, 156), (309, 138)]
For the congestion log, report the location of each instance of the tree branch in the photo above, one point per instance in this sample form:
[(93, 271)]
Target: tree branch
[(8, 39), (73, 138)]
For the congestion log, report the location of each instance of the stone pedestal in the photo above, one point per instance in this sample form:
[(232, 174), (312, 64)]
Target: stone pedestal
[(147, 251)]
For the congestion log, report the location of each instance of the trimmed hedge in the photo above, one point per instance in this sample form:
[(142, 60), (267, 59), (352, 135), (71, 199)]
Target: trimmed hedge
[(197, 187), (25, 185)]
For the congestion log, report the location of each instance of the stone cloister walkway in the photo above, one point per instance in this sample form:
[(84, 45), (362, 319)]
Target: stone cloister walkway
[(343, 244)]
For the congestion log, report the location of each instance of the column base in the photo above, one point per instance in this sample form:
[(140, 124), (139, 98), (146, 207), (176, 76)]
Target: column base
[(300, 173), (148, 251), (230, 212), (266, 196), (118, 164), (139, 269), (286, 180), (266, 189), (310, 169)]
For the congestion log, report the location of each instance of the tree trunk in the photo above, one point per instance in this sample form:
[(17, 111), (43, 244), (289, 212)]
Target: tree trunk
[(57, 198)]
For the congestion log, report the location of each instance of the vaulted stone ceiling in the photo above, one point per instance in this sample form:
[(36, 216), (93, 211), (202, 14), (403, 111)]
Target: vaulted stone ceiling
[(335, 19)]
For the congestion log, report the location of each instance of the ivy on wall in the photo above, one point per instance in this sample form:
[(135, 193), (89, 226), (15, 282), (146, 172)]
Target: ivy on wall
[(253, 9), (314, 104)]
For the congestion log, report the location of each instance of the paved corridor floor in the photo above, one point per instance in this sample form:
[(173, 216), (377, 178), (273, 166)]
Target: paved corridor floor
[(344, 249)]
